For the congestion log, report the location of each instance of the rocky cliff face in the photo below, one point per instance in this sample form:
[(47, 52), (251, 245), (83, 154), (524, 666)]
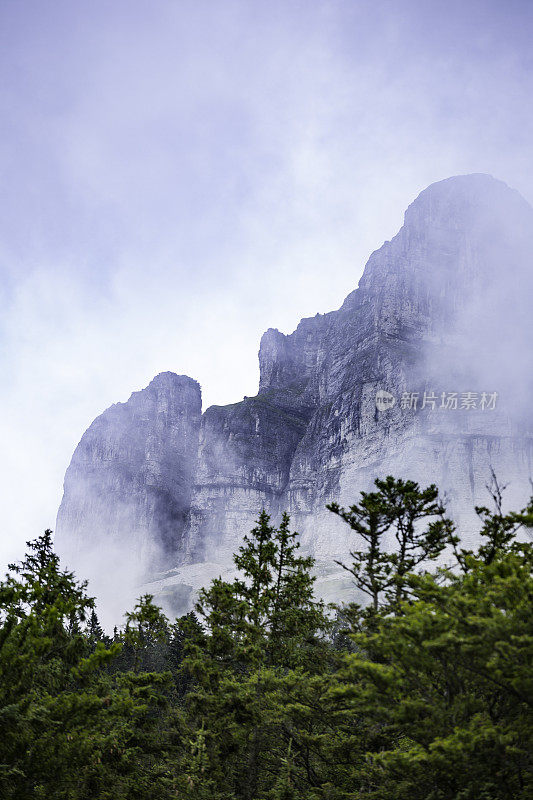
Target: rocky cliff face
[(128, 487), (441, 321)]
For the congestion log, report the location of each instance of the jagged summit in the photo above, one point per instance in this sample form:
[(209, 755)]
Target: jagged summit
[(169, 379), (170, 383), (131, 475), (441, 310)]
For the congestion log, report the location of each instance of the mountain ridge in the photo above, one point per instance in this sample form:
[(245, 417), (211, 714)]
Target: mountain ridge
[(430, 303)]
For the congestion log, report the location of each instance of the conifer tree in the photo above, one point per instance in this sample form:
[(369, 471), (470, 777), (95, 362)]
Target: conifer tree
[(266, 613), (389, 521), (498, 530), (147, 635), (70, 728), (255, 628)]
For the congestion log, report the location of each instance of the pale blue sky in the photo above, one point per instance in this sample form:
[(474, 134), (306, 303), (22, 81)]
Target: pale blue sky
[(176, 176)]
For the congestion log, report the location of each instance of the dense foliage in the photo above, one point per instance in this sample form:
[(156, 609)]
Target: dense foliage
[(423, 691)]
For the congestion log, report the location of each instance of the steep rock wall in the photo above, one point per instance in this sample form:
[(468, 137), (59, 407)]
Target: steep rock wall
[(128, 487), (444, 307)]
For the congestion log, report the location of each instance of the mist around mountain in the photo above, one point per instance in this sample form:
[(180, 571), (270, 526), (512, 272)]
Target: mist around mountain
[(424, 372)]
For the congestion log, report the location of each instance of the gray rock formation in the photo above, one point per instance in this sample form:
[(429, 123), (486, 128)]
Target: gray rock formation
[(443, 308), (128, 487)]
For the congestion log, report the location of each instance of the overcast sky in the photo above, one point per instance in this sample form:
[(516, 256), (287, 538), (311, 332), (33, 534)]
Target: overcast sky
[(176, 177)]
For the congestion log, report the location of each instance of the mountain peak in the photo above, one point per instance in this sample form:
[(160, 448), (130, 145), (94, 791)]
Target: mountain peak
[(171, 380), (442, 309), (466, 201)]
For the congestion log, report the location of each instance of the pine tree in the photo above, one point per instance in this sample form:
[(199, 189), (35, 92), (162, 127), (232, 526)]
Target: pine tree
[(371, 567), (442, 692), (498, 531), (297, 621), (397, 510), (71, 727), (147, 635), (449, 686), (269, 614), (255, 629)]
